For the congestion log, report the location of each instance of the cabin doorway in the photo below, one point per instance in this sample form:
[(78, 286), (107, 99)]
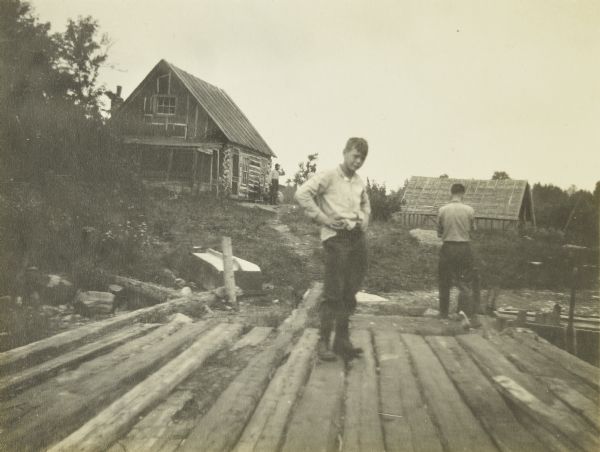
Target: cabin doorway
[(235, 174)]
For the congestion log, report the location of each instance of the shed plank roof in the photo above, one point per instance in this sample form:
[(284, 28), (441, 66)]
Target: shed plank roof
[(501, 199)]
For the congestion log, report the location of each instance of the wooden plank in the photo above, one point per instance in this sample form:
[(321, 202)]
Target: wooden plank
[(315, 424), (237, 403), (265, 430), (585, 371), (114, 421), (256, 335), (362, 425), (529, 394), (71, 359), (149, 434), (406, 422), (30, 354), (44, 414), (587, 408), (533, 363), (483, 399), (458, 427)]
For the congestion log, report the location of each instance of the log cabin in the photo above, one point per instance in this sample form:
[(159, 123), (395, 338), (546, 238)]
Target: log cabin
[(189, 135)]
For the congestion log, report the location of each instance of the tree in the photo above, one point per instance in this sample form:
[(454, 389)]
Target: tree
[(444, 176), (81, 53), (500, 175), (306, 169), (383, 204)]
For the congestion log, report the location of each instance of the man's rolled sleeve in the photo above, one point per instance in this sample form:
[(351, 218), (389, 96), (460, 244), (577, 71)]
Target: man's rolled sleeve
[(306, 194)]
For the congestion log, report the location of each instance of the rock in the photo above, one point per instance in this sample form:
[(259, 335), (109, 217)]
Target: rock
[(181, 318), (57, 290), (222, 293), (186, 291), (93, 303), (429, 312), (179, 282)]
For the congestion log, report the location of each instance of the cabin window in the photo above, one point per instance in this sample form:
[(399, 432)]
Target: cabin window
[(162, 84), (165, 105)]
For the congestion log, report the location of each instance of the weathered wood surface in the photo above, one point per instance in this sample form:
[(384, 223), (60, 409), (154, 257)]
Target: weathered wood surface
[(588, 373), (48, 412), (482, 398), (316, 421), (265, 430), (362, 425), (46, 369), (564, 390), (35, 352), (256, 335), (530, 394), (459, 428), (114, 421), (235, 406)]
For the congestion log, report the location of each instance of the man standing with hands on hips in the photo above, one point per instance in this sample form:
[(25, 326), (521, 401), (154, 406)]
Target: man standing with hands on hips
[(337, 199), (275, 173)]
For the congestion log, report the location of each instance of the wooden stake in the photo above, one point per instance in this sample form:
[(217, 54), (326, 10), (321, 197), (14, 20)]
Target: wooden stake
[(228, 276)]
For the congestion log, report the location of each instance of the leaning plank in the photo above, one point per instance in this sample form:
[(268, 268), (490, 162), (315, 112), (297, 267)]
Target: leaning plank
[(46, 413), (459, 428), (406, 423), (70, 359), (104, 429), (533, 363), (253, 338), (54, 345), (529, 394), (265, 429), (587, 372), (362, 425), (315, 424), (483, 399), (235, 406)]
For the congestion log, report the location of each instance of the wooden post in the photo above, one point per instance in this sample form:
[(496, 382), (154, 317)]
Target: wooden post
[(210, 183), (218, 169), (228, 275), (194, 171), (170, 165), (570, 329)]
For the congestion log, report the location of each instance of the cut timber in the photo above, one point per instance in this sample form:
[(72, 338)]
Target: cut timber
[(483, 399), (114, 421), (149, 290), (315, 424), (533, 363), (152, 432), (253, 338), (265, 430), (564, 391), (71, 359), (236, 404), (35, 352), (228, 277), (406, 423), (362, 426), (529, 394), (459, 428), (46, 413), (588, 373)]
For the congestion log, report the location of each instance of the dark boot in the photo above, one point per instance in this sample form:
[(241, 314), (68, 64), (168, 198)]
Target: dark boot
[(323, 351), (341, 344)]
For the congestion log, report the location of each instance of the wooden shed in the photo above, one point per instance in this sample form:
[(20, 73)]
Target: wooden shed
[(499, 204), (189, 134)]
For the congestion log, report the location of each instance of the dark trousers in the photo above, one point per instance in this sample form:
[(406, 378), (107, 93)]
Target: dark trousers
[(457, 267), (345, 269), (274, 190)]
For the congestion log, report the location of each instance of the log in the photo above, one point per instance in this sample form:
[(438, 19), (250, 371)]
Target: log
[(460, 430), (316, 421), (35, 352), (103, 430), (256, 335), (529, 394), (47, 369), (483, 399), (406, 423), (266, 428), (362, 425), (46, 413), (228, 277), (235, 406), (585, 371)]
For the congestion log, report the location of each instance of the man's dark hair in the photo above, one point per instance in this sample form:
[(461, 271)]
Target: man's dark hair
[(360, 144), (276, 165), (457, 189)]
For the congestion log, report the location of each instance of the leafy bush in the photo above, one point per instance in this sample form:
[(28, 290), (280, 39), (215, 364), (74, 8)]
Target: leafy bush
[(383, 204)]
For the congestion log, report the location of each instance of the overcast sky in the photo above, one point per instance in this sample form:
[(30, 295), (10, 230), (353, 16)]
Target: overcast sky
[(463, 87)]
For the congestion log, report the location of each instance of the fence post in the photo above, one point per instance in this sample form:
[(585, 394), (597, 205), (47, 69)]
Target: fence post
[(228, 276)]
